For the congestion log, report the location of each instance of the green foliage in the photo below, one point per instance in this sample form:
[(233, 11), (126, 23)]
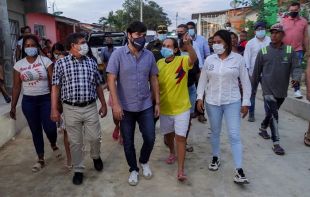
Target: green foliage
[(153, 15), (249, 25)]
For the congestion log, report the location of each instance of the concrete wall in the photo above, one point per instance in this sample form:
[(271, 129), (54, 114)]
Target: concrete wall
[(47, 21), (10, 128)]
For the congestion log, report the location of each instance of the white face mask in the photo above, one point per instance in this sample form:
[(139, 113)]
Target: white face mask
[(84, 49), (218, 48)]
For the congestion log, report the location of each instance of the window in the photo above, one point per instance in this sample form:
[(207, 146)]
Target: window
[(14, 32), (39, 30)]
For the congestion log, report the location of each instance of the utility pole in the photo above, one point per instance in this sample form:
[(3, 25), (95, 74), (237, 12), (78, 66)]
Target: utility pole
[(141, 10), (6, 57), (176, 20)]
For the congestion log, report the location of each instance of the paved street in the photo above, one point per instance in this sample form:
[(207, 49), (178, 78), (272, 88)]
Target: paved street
[(270, 175)]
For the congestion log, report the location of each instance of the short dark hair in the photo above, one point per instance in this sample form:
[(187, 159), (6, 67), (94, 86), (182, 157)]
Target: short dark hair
[(234, 34), (22, 30), (225, 35), (191, 23), (58, 46), (136, 26), (295, 4), (27, 27), (183, 26), (245, 32), (73, 39), (46, 41)]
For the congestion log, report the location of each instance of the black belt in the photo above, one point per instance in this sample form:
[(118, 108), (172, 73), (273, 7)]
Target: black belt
[(84, 104)]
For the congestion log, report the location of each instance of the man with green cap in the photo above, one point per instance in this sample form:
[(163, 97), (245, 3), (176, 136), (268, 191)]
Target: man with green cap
[(155, 45), (273, 66)]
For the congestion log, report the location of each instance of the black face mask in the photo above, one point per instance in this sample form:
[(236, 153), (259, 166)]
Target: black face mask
[(293, 14), (138, 43), (180, 35)]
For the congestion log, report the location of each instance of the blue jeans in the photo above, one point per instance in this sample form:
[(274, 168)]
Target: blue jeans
[(37, 110), (300, 56), (232, 117), (145, 119), (252, 99), (192, 96)]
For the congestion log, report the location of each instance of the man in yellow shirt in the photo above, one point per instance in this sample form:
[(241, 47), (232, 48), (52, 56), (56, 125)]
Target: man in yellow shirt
[(174, 98)]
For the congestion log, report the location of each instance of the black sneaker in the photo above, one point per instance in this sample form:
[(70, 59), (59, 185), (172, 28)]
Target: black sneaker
[(98, 165), (240, 177), (215, 164), (251, 118), (77, 178)]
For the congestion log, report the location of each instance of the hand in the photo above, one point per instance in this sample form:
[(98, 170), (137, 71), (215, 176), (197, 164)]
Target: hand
[(294, 83), (156, 110), (103, 111), (187, 39), (200, 106), (117, 112), (244, 111), (55, 115), (13, 113)]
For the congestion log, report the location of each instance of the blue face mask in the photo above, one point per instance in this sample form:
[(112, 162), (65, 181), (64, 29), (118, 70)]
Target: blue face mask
[(31, 51), (191, 32), (166, 52), (162, 37), (260, 33)]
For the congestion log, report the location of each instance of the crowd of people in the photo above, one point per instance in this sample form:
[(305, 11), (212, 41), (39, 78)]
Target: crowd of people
[(172, 80)]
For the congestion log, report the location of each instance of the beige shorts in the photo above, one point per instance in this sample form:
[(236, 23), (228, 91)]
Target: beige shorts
[(178, 123)]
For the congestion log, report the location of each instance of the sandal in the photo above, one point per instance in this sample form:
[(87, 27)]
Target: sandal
[(264, 134), (181, 176), (189, 148), (171, 159), (38, 166), (307, 138), (57, 154)]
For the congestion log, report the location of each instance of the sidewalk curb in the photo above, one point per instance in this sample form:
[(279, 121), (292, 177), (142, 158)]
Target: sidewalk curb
[(299, 108)]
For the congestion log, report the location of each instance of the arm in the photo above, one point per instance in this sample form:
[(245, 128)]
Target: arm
[(103, 109), (17, 84), (258, 69), (308, 79), (246, 84), (189, 48), (201, 87), (116, 108), (306, 40), (155, 93), (247, 57)]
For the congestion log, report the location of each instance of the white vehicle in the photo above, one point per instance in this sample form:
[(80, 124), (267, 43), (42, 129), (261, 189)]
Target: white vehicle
[(98, 40)]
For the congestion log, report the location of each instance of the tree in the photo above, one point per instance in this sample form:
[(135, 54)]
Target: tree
[(153, 15)]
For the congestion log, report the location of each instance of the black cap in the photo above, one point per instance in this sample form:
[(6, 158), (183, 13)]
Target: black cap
[(259, 24)]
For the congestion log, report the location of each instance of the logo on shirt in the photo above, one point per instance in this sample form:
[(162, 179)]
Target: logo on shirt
[(211, 67), (180, 73)]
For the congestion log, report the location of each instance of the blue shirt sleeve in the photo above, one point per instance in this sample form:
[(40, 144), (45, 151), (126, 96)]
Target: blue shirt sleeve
[(114, 63)]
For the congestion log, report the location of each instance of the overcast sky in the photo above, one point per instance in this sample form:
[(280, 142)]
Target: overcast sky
[(90, 11)]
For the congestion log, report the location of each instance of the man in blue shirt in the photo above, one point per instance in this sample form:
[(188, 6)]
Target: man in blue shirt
[(134, 69)]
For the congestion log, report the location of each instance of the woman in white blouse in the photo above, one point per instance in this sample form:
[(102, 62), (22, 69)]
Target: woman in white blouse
[(219, 79)]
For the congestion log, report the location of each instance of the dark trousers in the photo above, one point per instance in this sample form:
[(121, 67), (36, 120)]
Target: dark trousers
[(272, 106), (145, 120), (37, 110)]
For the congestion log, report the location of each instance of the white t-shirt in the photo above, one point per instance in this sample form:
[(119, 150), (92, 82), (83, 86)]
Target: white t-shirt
[(34, 76)]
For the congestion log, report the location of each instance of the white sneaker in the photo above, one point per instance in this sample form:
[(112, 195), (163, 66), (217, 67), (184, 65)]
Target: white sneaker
[(298, 94), (133, 178), (146, 171)]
